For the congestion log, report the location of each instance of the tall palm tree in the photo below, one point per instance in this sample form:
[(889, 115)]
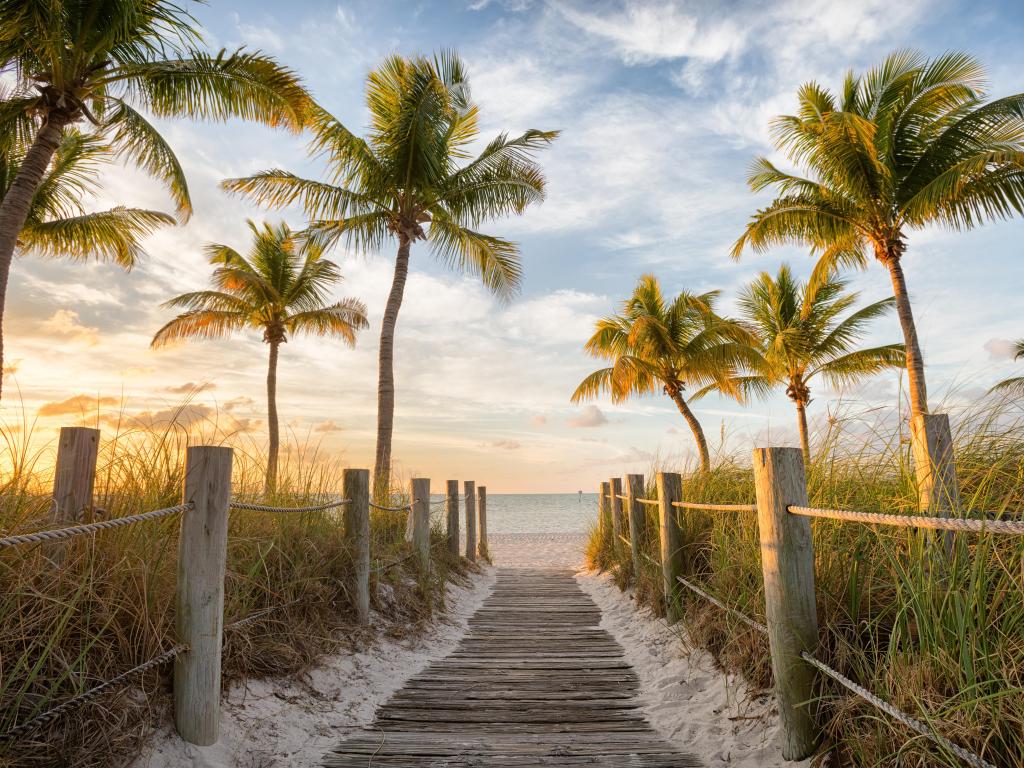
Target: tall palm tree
[(802, 333), (654, 344), (908, 144), (1015, 383), (59, 226), (101, 61), (411, 179), (281, 288)]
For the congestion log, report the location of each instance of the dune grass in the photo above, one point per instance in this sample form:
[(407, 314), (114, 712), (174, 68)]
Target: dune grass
[(109, 605), (944, 644)]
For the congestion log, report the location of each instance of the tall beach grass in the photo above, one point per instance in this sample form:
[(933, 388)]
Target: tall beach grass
[(108, 604), (943, 643)]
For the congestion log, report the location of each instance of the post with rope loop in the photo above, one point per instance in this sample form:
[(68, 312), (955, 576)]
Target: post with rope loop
[(470, 491), (355, 484), (637, 521), (452, 507), (481, 514), (614, 493), (787, 561), (603, 514), (670, 489), (75, 475), (419, 490), (202, 558)]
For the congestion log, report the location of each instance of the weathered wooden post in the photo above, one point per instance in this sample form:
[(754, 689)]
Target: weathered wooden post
[(356, 488), (75, 474), (787, 560), (202, 554), (615, 502), (481, 513), (470, 491), (603, 514), (452, 507), (938, 491), (419, 490), (670, 489), (637, 520)]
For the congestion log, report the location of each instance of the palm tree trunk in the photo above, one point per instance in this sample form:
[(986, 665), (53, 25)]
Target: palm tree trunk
[(272, 423), (915, 361), (695, 427), (386, 372), (18, 201), (805, 442)]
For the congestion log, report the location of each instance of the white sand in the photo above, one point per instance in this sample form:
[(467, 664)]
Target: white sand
[(295, 721), (690, 703)]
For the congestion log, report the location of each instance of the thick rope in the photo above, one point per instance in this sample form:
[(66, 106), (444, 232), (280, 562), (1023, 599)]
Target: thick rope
[(242, 505), (405, 508), (916, 725), (259, 615), (80, 530), (83, 698), (1012, 527), (731, 611), (716, 507), (647, 501)]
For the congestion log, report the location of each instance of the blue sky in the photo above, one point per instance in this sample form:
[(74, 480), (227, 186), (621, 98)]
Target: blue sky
[(661, 107)]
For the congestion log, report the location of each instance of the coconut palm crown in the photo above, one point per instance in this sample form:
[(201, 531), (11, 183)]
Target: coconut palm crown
[(280, 289), (804, 332), (105, 63), (655, 344), (908, 144), (413, 179), (1015, 383)]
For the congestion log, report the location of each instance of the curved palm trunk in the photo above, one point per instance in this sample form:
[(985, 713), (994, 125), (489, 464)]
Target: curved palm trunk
[(805, 442), (695, 427), (18, 201), (272, 423), (386, 372), (915, 360)]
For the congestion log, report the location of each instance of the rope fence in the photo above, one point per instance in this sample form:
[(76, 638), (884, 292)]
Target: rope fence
[(58, 534), (716, 602), (250, 507), (1011, 527), (404, 508), (83, 698), (715, 507)]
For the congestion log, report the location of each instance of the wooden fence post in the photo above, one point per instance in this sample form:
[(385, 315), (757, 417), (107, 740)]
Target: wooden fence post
[(481, 513), (938, 491), (75, 474), (637, 520), (453, 517), (470, 492), (614, 493), (787, 560), (355, 485), (670, 488), (604, 513), (202, 555), (419, 490)]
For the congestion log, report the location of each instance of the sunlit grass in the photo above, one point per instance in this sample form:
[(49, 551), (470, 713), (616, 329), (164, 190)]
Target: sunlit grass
[(945, 644)]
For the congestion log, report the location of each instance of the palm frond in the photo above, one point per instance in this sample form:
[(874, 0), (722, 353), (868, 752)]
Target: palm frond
[(113, 235)]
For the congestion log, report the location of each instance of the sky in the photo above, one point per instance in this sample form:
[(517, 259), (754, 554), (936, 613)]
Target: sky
[(661, 108)]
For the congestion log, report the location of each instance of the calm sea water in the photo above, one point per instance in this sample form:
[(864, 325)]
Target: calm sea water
[(539, 512)]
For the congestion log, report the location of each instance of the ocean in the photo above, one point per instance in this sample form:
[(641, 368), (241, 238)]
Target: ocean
[(537, 512)]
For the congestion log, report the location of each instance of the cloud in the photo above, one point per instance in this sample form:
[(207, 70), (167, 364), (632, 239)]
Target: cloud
[(539, 420), (77, 405), (590, 416), (508, 445), (645, 33), (191, 388), (327, 426), (1001, 349), (184, 415), (64, 322), (238, 402)]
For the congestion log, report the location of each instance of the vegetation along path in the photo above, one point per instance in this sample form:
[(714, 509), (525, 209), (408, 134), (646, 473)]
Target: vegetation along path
[(535, 682)]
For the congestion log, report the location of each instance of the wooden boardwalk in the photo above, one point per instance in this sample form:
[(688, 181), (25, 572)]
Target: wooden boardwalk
[(534, 682)]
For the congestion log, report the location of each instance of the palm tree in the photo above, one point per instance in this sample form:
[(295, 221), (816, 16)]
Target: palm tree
[(653, 344), (802, 333), (1015, 383), (910, 143), (281, 288), (101, 61), (409, 180), (58, 226)]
